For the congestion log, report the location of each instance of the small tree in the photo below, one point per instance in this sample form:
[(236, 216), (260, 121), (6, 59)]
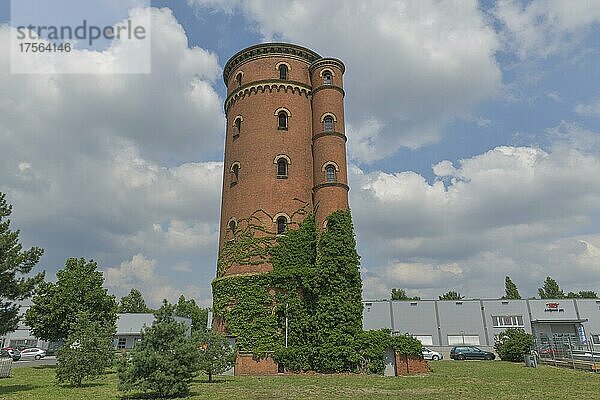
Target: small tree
[(551, 290), (400, 294), (451, 295), (216, 356), (133, 303), (87, 351), (189, 309), (164, 362), (510, 290), (15, 265), (79, 288), (513, 344)]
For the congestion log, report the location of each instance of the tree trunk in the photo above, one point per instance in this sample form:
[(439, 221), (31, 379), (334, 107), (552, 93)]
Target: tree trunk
[(210, 377)]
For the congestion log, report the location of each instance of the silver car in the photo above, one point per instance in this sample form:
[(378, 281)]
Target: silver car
[(429, 354), (34, 353)]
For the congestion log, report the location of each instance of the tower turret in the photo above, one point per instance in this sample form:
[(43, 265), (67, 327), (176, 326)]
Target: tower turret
[(330, 177)]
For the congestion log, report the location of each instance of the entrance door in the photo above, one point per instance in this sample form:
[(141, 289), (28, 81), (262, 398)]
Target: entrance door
[(389, 361)]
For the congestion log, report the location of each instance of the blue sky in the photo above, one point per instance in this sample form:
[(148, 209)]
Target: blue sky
[(473, 141)]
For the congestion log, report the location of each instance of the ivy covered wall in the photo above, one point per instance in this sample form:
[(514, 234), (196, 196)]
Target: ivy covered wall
[(315, 282)]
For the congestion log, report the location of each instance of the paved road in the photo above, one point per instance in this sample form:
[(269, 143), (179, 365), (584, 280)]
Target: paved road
[(49, 360)]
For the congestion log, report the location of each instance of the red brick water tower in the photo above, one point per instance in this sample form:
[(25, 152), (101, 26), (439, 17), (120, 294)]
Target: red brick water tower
[(285, 146)]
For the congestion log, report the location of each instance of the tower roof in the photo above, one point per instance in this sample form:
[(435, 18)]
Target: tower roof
[(266, 49)]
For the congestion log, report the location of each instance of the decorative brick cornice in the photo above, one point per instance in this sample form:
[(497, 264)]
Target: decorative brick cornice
[(322, 87), (264, 85), (327, 133), (324, 62), (330, 184), (265, 50)]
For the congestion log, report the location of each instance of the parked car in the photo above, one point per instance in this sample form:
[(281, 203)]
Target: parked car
[(13, 353), (4, 354), (34, 353), (470, 353), (429, 354)]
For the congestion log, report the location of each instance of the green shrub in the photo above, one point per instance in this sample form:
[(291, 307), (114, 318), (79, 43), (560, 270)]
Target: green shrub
[(164, 362), (407, 346), (371, 346), (87, 351), (513, 344)]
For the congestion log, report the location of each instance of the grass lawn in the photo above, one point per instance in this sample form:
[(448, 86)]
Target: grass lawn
[(448, 380)]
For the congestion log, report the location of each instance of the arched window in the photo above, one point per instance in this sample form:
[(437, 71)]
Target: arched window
[(238, 126), (282, 119), (283, 72), (281, 225), (327, 78), (235, 172), (232, 227), (330, 173), (328, 124), (238, 79), (282, 167)]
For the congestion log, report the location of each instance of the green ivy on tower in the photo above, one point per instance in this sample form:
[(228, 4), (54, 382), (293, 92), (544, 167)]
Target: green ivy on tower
[(316, 283)]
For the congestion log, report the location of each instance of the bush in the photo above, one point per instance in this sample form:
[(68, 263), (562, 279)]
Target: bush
[(164, 362), (513, 344), (363, 354), (87, 351), (371, 346), (407, 345), (216, 356)]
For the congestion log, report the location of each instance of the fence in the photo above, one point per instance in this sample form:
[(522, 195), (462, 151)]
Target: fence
[(5, 366), (568, 351)]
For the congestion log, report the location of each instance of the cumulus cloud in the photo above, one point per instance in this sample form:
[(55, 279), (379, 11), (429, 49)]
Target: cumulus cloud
[(142, 273), (521, 211), (411, 66), (542, 28), (103, 166), (173, 108)]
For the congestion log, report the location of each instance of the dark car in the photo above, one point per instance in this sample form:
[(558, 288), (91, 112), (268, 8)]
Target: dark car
[(470, 353), (10, 352)]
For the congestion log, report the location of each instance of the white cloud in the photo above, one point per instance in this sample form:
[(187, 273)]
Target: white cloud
[(411, 66), (95, 162), (173, 108), (554, 96), (592, 109), (542, 28), (142, 273), (520, 211)]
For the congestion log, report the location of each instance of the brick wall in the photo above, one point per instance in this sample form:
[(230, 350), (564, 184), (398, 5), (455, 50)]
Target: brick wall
[(410, 365), (247, 365)]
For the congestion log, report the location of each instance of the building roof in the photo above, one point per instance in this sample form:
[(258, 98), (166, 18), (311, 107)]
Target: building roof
[(133, 324), (128, 324)]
